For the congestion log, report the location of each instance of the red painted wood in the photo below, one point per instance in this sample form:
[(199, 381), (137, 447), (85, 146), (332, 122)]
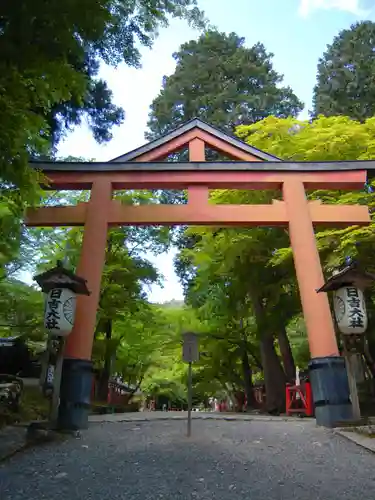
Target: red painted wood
[(214, 179)]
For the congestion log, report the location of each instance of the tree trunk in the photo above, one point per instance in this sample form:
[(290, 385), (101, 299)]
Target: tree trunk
[(136, 388), (106, 371), (231, 393), (274, 376), (248, 379), (286, 355)]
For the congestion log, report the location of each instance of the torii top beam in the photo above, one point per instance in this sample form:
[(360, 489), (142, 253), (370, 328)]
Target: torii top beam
[(143, 167)]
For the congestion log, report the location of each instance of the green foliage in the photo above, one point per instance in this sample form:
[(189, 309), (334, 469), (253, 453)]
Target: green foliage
[(137, 336), (10, 224), (21, 310), (298, 342), (240, 284), (167, 375), (242, 280), (129, 330), (345, 82), (49, 64), (324, 139), (54, 52), (231, 281), (221, 81)]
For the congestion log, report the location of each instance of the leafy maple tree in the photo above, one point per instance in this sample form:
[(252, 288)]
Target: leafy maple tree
[(243, 310), (325, 139)]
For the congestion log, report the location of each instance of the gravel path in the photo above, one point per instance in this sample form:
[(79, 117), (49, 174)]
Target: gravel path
[(223, 461)]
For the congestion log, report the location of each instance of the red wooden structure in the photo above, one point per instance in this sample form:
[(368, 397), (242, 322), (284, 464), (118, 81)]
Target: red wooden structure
[(116, 395), (299, 399), (249, 168)]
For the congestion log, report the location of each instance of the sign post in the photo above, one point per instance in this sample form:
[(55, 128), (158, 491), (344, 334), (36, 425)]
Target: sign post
[(190, 398), (190, 353)]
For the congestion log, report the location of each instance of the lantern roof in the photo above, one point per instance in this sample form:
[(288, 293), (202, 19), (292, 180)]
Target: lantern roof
[(349, 276), (59, 277)]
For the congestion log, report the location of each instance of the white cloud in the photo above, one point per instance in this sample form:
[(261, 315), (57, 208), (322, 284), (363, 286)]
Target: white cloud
[(352, 6)]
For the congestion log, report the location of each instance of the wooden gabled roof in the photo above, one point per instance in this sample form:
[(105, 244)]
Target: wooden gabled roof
[(195, 129)]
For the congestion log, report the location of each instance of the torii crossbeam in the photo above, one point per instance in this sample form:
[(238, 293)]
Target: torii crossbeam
[(251, 169)]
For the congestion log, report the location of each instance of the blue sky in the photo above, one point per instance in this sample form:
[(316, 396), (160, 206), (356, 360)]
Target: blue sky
[(296, 31)]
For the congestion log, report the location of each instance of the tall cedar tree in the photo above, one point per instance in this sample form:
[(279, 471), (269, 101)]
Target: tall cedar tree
[(345, 78), (223, 82)]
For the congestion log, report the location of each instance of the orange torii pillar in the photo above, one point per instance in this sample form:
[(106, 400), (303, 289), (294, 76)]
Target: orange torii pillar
[(76, 381), (327, 369)]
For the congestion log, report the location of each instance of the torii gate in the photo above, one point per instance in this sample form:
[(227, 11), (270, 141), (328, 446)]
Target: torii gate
[(145, 168)]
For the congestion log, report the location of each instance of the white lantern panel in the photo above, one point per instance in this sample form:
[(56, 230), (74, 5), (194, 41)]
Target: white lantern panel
[(350, 310), (59, 311)]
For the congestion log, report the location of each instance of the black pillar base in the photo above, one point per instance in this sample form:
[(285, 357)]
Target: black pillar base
[(76, 382), (330, 388)]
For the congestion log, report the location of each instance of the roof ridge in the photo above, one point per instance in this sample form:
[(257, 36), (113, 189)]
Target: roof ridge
[(187, 127)]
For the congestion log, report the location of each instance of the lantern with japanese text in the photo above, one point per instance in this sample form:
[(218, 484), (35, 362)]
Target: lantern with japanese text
[(61, 287), (347, 286), (59, 311), (350, 310)]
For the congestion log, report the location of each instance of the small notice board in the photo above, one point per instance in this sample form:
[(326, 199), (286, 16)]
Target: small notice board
[(190, 348)]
